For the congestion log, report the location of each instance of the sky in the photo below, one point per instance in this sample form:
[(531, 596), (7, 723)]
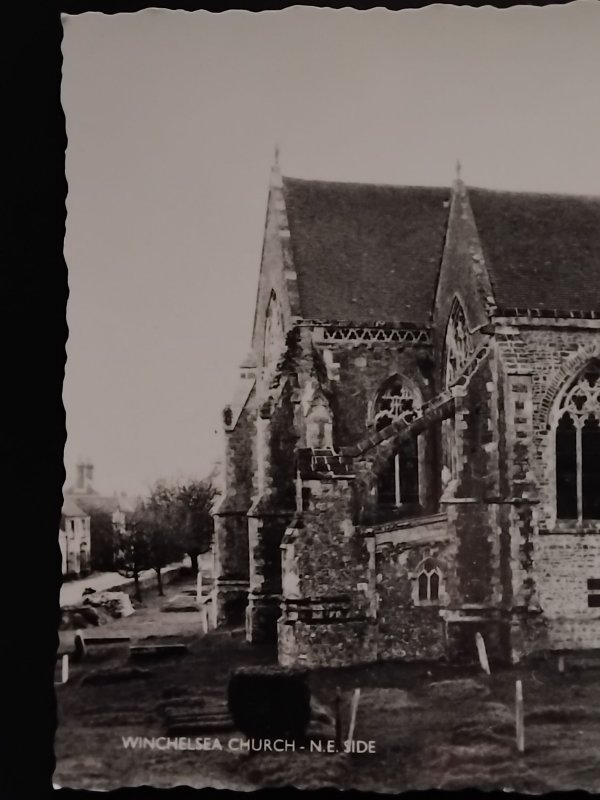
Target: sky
[(172, 121)]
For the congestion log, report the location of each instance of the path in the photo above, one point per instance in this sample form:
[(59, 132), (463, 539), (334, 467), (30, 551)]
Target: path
[(71, 593)]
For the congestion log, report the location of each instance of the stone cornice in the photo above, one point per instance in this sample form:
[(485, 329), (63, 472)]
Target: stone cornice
[(375, 332), (547, 317)]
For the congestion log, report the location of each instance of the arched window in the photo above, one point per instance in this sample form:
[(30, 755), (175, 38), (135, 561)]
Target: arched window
[(578, 448), (458, 349), (458, 344), (274, 334), (428, 583), (398, 482)]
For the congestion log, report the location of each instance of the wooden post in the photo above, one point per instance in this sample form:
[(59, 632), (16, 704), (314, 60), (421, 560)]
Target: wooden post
[(65, 668), (482, 653), (397, 480), (354, 709), (519, 717), (338, 718), (80, 648), (561, 663), (579, 457), (198, 580)]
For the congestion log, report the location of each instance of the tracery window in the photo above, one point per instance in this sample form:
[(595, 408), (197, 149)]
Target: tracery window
[(398, 482), (396, 400), (459, 344), (428, 583), (578, 448)]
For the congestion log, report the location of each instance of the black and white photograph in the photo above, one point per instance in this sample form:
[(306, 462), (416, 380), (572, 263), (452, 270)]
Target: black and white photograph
[(331, 515)]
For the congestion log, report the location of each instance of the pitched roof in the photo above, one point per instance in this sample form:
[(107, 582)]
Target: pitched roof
[(109, 504), (127, 503), (542, 250), (366, 252), (71, 509), (74, 489)]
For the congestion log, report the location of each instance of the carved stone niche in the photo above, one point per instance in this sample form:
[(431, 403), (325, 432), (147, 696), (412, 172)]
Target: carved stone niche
[(319, 428), (318, 419), (266, 409)]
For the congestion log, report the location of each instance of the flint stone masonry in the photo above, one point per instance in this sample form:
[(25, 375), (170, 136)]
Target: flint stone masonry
[(409, 628), (306, 550)]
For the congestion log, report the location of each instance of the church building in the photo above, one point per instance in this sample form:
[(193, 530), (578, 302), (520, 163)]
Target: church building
[(413, 454)]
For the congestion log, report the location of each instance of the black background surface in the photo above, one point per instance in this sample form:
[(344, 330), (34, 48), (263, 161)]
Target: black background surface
[(34, 297)]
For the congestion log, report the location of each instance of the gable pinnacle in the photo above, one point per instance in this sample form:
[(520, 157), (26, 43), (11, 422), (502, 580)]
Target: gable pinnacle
[(275, 171)]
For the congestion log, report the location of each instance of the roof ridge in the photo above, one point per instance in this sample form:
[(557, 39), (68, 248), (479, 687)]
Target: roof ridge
[(530, 193), (363, 184), (441, 187)]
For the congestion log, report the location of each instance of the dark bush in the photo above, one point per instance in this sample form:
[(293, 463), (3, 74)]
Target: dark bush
[(270, 701)]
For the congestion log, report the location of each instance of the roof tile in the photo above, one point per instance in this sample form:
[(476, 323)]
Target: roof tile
[(366, 252), (542, 250)]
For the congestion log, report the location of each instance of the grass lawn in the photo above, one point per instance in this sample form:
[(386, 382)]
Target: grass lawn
[(433, 726)]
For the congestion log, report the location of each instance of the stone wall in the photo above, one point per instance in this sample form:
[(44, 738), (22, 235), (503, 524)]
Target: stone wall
[(333, 644), (264, 596), (475, 518), (407, 628), (231, 567), (240, 459), (269, 515), (231, 524), (281, 466), (551, 559), (329, 603), (552, 354), (362, 370), (564, 564)]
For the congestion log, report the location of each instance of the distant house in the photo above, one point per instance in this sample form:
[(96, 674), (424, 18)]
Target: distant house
[(118, 507), (123, 507), (74, 538)]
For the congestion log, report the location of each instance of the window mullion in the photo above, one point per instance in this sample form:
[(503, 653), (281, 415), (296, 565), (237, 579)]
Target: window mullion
[(579, 456)]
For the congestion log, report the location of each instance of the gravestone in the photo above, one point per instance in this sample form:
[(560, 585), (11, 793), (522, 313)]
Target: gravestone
[(79, 647)]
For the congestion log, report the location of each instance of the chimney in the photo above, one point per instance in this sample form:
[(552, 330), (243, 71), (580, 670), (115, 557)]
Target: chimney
[(81, 470), (89, 472)]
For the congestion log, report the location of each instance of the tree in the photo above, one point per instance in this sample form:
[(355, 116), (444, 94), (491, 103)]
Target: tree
[(195, 501), (133, 547), (102, 536), (162, 523)]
